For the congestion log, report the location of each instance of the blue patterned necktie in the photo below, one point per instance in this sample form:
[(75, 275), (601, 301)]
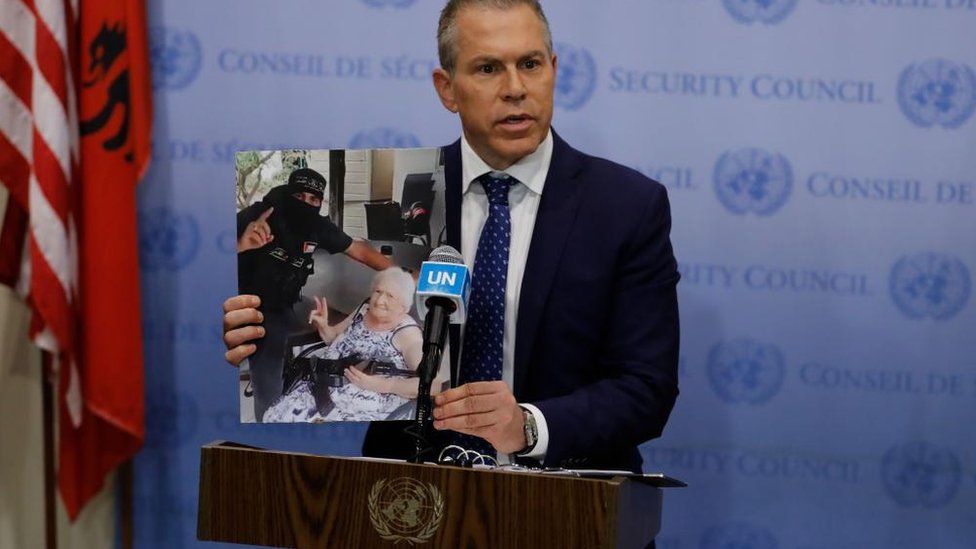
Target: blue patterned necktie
[(481, 352)]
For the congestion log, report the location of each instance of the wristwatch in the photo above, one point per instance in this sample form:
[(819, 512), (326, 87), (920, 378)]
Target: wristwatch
[(531, 432)]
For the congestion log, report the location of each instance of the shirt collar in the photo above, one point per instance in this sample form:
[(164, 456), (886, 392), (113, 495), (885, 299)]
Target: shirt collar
[(530, 170)]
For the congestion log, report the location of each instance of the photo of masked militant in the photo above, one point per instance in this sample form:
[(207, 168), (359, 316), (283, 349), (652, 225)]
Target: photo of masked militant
[(276, 240)]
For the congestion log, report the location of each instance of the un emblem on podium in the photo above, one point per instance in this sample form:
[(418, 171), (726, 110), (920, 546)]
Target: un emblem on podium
[(929, 285), (937, 92), (576, 80), (405, 509), (384, 138), (746, 371), (739, 535), (768, 12), (753, 180), (175, 56), (919, 474), (167, 240)]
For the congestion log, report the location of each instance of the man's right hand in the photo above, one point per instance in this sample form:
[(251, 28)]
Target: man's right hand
[(240, 316), (257, 233)]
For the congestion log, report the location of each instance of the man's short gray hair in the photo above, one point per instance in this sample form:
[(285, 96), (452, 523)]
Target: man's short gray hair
[(401, 281), (447, 26)]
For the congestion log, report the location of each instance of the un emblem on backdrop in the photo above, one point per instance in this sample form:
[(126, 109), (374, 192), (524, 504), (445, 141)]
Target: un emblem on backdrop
[(576, 79), (384, 138), (919, 474), (746, 371), (930, 285), (738, 535), (391, 3), (753, 180), (768, 12), (937, 92), (175, 56), (167, 240), (227, 242), (171, 418)]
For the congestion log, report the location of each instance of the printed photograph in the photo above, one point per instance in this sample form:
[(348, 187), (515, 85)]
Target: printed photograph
[(331, 241)]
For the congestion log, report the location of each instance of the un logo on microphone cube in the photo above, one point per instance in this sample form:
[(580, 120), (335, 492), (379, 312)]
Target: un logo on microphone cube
[(449, 280)]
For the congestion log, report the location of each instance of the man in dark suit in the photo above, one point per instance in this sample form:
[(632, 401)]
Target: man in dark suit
[(572, 359)]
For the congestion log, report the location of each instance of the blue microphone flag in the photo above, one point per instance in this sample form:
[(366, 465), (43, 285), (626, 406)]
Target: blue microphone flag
[(449, 280)]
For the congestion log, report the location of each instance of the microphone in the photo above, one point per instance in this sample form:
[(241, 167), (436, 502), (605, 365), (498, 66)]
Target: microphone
[(443, 289)]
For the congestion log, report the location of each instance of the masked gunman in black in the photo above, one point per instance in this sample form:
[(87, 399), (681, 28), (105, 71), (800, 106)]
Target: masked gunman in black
[(276, 238)]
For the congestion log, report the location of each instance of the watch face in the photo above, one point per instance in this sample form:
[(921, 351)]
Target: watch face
[(530, 429)]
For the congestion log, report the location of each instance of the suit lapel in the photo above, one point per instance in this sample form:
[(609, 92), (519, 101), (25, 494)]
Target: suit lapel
[(557, 212), (452, 203), (452, 193)]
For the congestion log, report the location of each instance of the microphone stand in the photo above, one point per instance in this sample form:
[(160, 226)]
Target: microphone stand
[(439, 310)]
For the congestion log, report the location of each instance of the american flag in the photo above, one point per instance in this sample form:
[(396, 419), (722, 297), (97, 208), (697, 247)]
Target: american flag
[(75, 115), (38, 162)]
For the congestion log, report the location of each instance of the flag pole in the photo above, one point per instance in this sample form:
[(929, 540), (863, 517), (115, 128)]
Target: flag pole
[(125, 504), (50, 477)]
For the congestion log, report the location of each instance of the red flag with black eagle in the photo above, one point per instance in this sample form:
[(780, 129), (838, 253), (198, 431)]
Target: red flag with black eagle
[(74, 141)]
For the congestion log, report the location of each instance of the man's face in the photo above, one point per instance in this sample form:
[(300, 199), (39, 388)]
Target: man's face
[(503, 81)]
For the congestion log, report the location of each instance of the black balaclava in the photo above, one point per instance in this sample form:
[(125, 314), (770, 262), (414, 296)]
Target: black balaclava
[(301, 217)]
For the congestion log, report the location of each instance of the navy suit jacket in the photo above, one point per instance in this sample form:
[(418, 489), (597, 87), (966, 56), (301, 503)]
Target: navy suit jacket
[(597, 327)]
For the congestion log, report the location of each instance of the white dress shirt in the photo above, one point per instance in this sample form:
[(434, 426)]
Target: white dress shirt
[(523, 204)]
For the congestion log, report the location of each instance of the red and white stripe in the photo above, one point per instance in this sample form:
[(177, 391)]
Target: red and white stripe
[(38, 162)]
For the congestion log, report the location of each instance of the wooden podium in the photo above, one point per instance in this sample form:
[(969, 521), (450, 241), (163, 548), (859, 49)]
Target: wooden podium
[(281, 499)]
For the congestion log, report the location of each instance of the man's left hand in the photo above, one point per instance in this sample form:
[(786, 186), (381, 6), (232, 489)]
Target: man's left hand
[(485, 409)]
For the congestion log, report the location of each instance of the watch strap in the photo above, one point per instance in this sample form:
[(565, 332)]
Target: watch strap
[(531, 431)]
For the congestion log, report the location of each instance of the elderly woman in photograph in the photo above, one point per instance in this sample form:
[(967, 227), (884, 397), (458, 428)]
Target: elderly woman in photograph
[(381, 330)]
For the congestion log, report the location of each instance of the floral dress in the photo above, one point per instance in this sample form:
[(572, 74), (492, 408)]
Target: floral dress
[(349, 402)]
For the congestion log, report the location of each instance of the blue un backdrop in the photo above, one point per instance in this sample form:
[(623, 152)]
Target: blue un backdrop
[(819, 159)]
